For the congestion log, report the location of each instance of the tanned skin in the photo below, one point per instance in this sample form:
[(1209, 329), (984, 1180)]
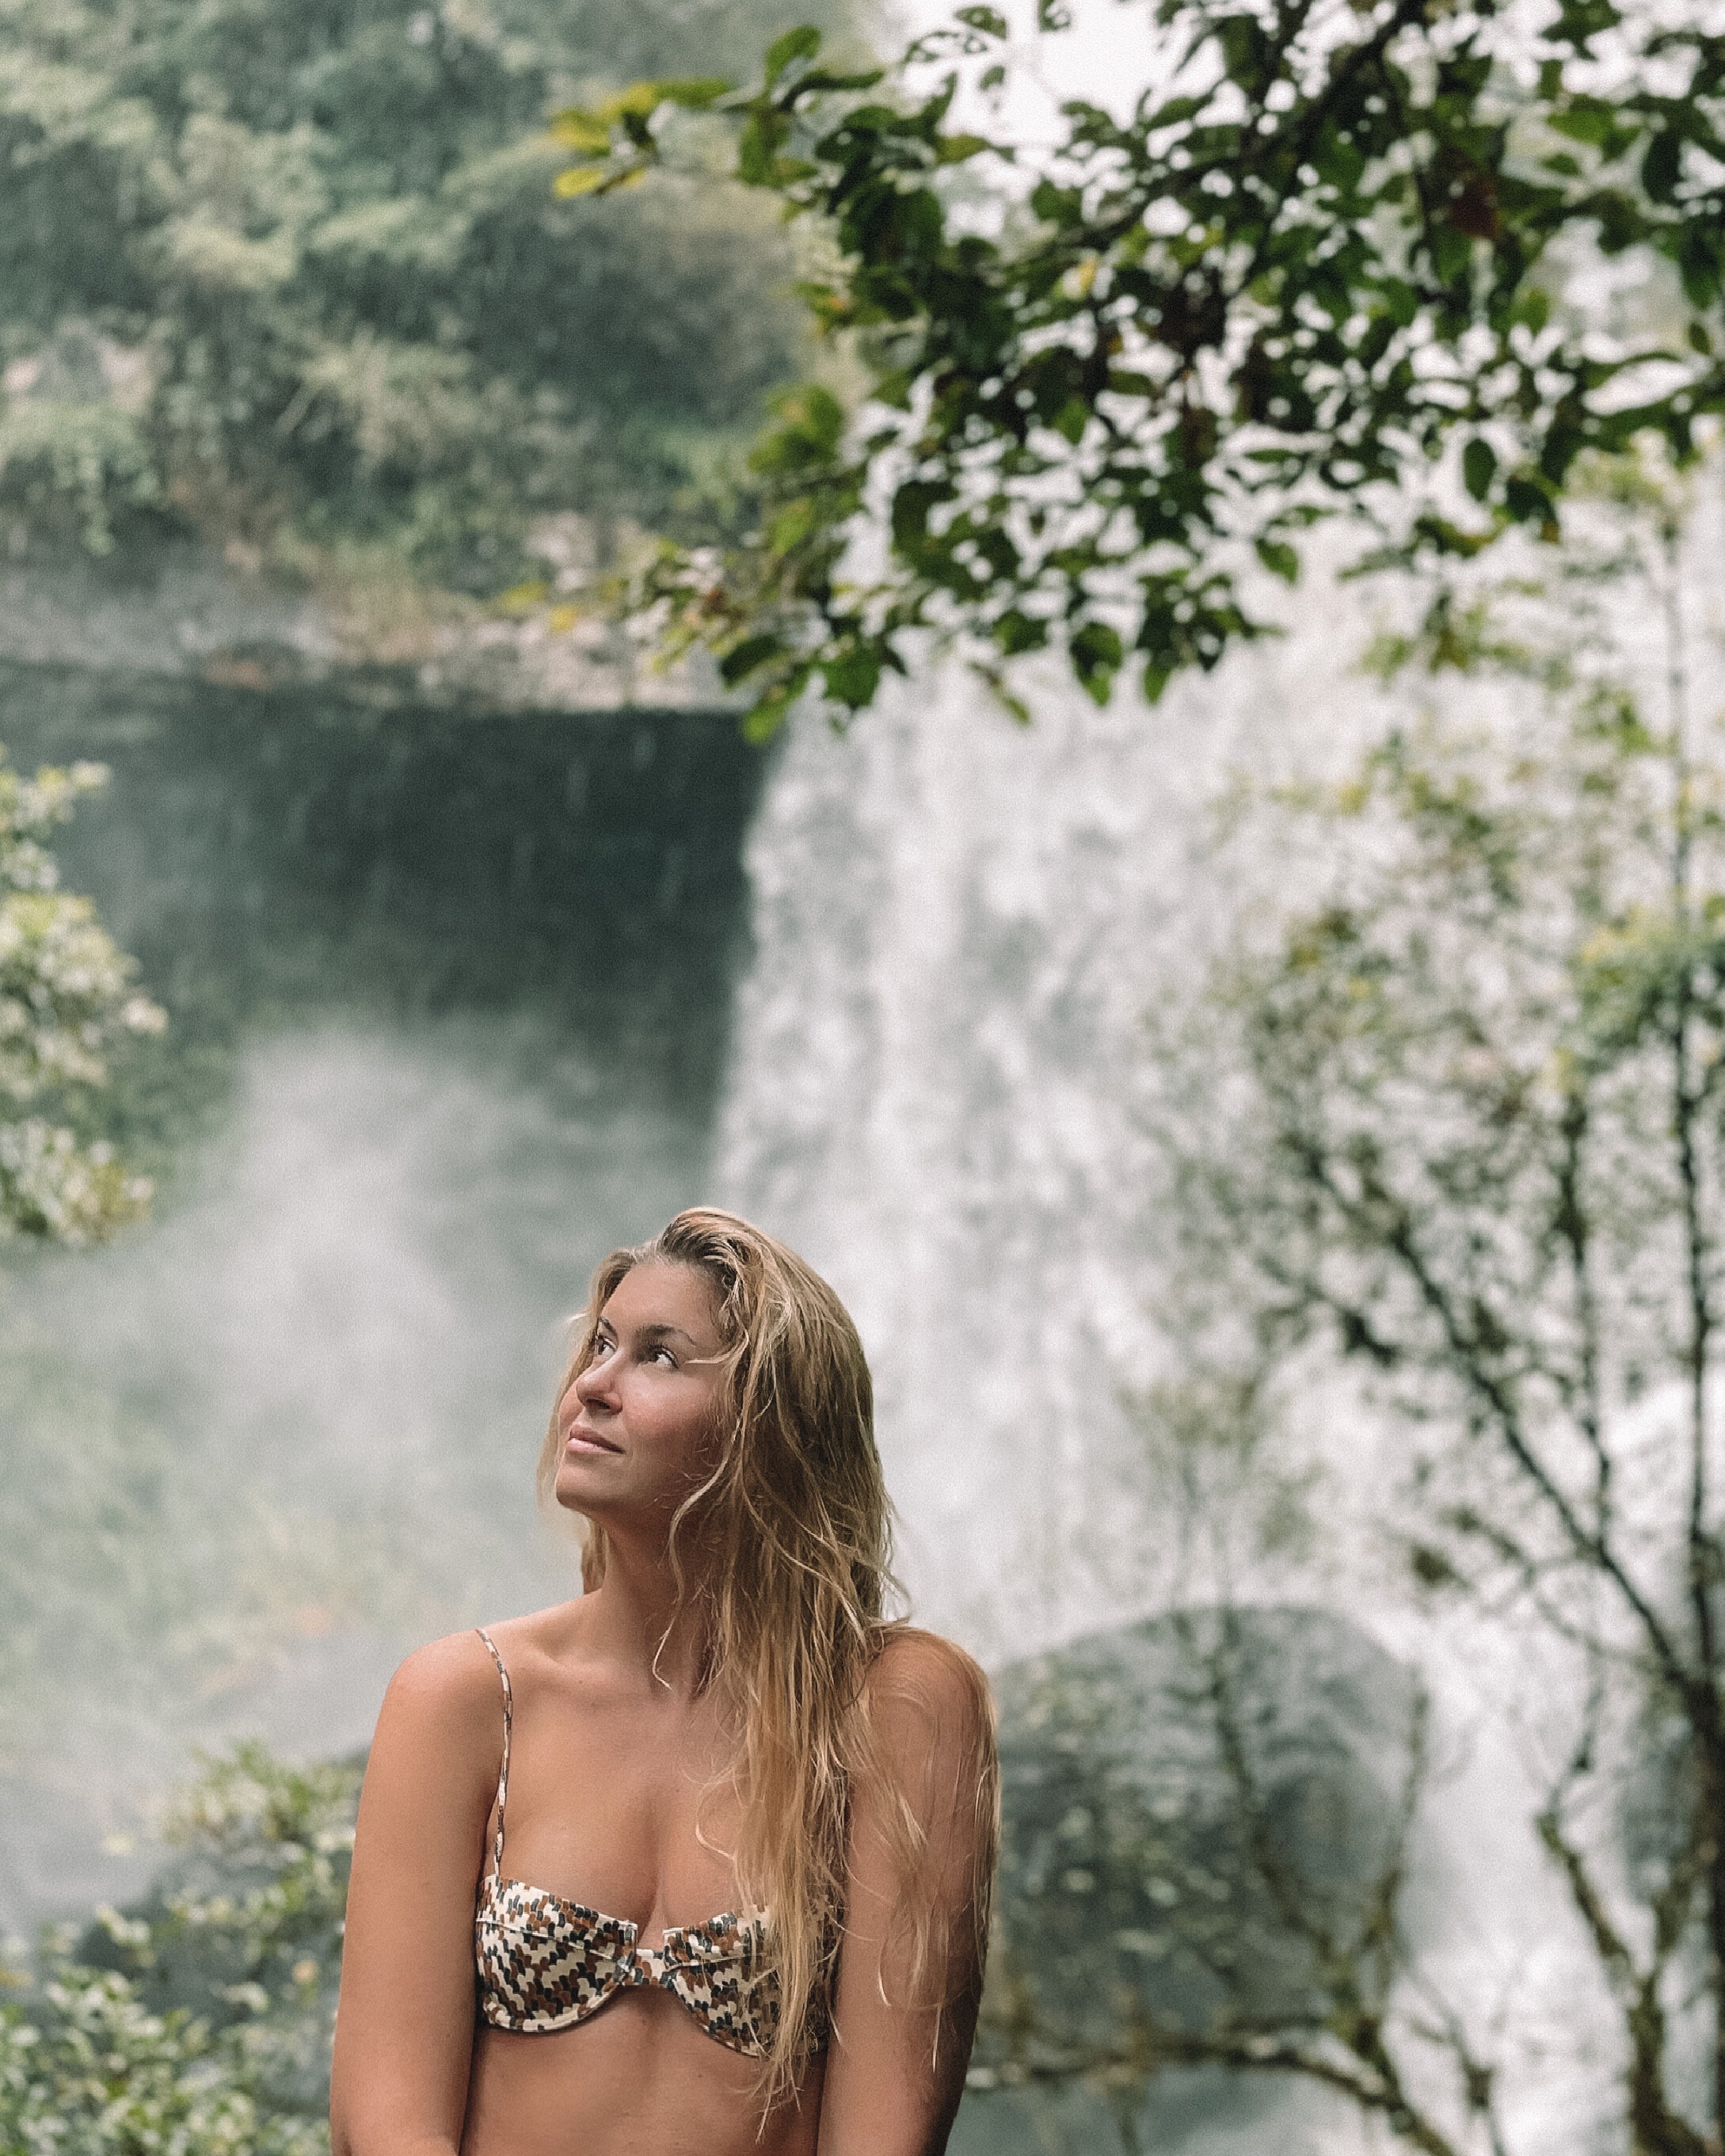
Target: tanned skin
[(614, 1746)]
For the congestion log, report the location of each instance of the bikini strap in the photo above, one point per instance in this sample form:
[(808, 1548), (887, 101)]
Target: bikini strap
[(503, 1771)]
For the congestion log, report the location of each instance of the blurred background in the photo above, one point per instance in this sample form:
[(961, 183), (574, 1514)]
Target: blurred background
[(468, 945)]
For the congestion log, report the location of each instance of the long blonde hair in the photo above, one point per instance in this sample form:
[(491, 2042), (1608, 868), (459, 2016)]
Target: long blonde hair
[(795, 1530)]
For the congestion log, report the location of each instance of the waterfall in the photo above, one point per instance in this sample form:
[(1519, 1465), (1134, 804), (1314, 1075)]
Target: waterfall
[(959, 926)]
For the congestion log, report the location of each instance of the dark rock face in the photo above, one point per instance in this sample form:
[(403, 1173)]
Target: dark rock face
[(274, 851)]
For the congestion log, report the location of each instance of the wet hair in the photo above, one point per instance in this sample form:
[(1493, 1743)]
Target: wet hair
[(793, 1526)]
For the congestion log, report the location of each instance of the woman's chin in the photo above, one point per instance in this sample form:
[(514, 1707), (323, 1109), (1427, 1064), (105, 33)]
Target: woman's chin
[(572, 1489)]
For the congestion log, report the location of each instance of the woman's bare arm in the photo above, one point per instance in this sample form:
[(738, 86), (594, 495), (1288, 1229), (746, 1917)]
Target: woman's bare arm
[(404, 2025), (895, 2071)]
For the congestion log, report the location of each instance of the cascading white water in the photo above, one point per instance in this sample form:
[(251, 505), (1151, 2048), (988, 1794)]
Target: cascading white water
[(960, 925)]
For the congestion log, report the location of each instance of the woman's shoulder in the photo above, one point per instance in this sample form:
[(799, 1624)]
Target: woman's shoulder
[(930, 1678), (456, 1684), (448, 1684)]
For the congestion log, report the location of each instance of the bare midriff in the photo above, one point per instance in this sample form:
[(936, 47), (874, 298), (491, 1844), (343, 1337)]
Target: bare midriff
[(637, 2078)]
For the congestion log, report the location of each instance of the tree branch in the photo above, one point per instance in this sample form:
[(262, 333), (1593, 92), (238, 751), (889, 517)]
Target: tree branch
[(1387, 1222)]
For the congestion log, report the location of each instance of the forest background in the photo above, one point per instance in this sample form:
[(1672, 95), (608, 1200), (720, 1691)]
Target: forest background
[(1468, 1160)]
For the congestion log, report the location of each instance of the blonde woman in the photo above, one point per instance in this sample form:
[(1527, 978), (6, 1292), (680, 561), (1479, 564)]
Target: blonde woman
[(697, 1865)]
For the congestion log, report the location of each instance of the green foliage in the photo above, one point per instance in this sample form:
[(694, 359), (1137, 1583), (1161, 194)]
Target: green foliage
[(91, 2072), (294, 275), (1331, 252), (66, 995), (198, 2024), (1457, 1117)]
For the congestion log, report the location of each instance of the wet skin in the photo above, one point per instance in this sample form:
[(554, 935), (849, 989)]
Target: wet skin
[(614, 1750)]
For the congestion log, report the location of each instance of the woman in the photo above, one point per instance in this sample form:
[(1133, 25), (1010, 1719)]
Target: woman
[(716, 1838)]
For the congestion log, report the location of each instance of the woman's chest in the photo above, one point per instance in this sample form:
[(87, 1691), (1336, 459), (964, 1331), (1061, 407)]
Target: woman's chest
[(629, 1814)]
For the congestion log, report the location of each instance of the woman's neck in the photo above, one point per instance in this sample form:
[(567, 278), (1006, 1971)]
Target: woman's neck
[(638, 1616)]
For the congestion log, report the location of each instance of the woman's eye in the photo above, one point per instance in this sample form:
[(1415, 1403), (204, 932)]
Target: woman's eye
[(601, 1347), (670, 1360)]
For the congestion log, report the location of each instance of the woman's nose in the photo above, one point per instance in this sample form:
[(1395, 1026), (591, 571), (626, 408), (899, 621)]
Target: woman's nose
[(592, 1382)]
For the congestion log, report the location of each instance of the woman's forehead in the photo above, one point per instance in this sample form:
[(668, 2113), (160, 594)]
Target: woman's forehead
[(659, 1291)]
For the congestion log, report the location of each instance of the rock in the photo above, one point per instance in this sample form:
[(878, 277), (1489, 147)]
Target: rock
[(1193, 1807)]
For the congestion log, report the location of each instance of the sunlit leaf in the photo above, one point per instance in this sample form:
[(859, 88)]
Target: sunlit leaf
[(583, 179), (801, 44)]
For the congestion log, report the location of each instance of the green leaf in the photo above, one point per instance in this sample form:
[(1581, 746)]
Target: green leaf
[(989, 22), (757, 147), (1479, 467), (584, 131), (749, 657), (911, 506), (1580, 20), (1586, 121), (790, 525), (1014, 632), (1281, 559), (640, 101), (1245, 50), (812, 413), (763, 721), (1096, 652), (801, 44), (1662, 166), (853, 677), (1400, 299), (1171, 114), (1527, 502), (1056, 205), (583, 179), (1701, 259), (1155, 678)]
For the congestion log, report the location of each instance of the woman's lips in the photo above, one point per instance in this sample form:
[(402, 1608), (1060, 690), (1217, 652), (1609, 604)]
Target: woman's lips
[(585, 1440)]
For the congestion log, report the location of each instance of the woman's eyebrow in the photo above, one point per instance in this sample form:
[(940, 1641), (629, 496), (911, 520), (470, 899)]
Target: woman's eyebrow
[(664, 1331)]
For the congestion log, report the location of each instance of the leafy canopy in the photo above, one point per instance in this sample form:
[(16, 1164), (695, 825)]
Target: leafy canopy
[(1394, 259), (292, 274), (66, 995)]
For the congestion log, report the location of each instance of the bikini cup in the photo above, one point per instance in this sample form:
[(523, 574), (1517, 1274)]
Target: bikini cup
[(546, 1963)]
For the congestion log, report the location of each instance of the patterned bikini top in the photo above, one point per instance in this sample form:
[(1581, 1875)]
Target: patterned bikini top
[(546, 1963)]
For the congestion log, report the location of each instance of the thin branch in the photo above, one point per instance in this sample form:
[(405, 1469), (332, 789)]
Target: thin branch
[(1701, 1551), (1479, 2081), (1278, 1882), (1657, 2127), (1575, 1230), (1375, 2088), (1609, 1943), (1389, 1224)]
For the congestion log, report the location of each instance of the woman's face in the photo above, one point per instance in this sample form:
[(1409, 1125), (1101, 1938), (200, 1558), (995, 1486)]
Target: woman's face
[(636, 1425)]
